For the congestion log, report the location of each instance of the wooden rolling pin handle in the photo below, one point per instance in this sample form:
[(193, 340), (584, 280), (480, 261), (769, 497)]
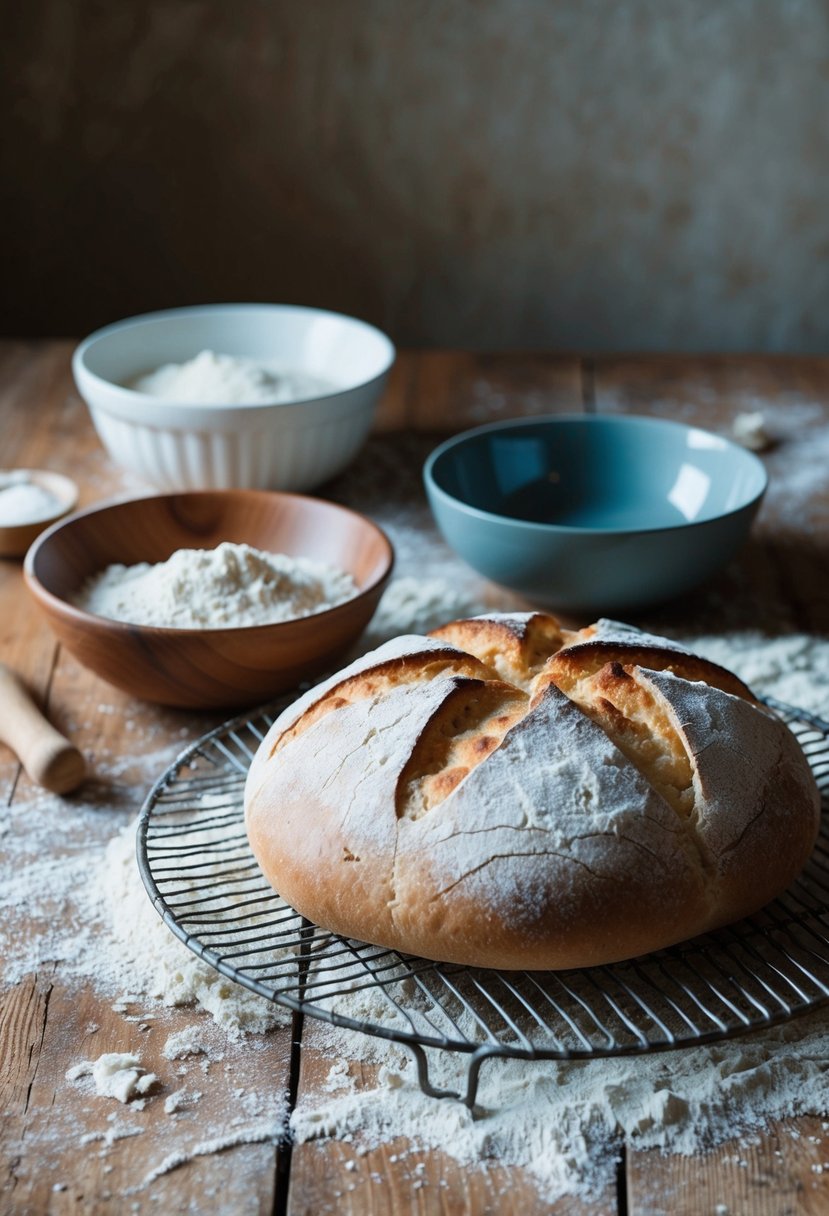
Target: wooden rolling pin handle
[(48, 758)]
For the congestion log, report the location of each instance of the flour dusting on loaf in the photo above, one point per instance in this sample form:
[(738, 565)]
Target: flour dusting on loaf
[(510, 793)]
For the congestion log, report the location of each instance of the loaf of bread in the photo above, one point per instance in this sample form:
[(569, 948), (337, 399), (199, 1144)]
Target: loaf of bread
[(507, 793)]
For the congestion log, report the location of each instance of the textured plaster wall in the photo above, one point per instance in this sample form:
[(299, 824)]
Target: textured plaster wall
[(603, 174)]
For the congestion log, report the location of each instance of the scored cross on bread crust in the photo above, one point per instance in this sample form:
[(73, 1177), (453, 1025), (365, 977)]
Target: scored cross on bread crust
[(471, 722), (395, 671), (510, 793)]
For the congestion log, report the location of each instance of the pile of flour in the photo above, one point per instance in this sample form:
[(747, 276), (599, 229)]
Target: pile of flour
[(215, 379), (564, 1123), (228, 586), (158, 964)]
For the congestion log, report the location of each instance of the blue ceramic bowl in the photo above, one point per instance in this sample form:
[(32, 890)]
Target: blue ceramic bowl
[(592, 512)]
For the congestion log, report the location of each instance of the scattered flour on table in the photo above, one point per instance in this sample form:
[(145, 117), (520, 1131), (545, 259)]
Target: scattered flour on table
[(65, 875), (230, 585), (564, 1122), (182, 1043), (115, 1131), (561, 1122), (793, 668), (181, 1099), (161, 965), (797, 462), (217, 1144), (218, 379), (412, 605)]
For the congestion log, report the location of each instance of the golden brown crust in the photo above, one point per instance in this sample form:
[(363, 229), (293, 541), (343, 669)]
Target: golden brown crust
[(584, 658), (405, 669), (471, 722), (516, 646), (505, 795)]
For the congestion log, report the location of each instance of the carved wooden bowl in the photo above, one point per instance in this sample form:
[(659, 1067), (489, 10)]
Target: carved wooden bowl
[(207, 668)]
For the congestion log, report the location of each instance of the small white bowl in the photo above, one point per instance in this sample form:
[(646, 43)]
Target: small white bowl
[(180, 446), (16, 538)]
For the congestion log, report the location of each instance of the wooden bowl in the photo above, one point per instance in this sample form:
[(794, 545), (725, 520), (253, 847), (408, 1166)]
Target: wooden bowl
[(16, 538), (207, 668)]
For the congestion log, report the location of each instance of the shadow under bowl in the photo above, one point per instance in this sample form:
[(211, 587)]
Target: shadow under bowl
[(207, 668), (594, 513)]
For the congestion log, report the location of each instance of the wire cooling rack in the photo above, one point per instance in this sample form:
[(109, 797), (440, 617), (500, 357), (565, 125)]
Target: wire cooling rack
[(204, 881)]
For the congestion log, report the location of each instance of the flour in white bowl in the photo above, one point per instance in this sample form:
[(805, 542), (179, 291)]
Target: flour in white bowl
[(215, 379), (226, 587)]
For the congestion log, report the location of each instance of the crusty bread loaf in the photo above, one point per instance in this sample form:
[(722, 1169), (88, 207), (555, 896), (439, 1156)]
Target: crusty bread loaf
[(512, 794)]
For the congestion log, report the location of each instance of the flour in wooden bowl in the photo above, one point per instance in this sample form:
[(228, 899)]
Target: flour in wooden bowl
[(230, 586)]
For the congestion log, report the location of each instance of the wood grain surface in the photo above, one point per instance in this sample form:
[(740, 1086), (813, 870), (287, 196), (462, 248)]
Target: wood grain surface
[(46, 1021)]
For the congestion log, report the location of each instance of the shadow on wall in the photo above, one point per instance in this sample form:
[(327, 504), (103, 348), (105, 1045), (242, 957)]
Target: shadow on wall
[(513, 173)]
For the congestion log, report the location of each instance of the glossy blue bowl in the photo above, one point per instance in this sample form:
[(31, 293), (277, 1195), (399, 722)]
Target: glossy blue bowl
[(598, 513)]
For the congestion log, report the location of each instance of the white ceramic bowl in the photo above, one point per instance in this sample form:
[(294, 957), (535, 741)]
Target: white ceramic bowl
[(292, 446)]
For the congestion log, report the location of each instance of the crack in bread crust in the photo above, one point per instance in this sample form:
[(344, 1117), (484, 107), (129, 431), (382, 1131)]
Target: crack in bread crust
[(583, 659), (516, 648), (473, 719), (391, 674), (642, 728), (535, 854)]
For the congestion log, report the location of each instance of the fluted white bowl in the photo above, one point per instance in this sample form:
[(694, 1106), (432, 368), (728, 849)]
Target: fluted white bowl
[(216, 446)]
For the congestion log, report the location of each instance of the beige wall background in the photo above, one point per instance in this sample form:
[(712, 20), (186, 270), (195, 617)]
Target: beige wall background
[(650, 174)]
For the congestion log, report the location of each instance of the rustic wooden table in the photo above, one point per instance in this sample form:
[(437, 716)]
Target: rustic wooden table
[(53, 1156)]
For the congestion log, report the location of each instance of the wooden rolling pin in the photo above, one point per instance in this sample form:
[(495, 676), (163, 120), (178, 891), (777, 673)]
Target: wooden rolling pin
[(48, 758)]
